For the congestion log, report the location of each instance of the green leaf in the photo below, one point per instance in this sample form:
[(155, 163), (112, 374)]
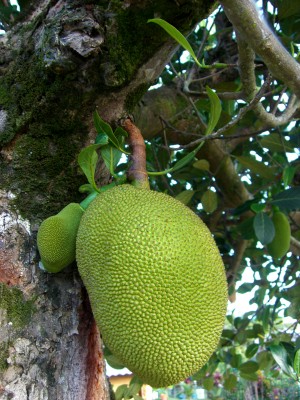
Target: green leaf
[(201, 164), (186, 159), (245, 287), (297, 362), (289, 347), (249, 376), (265, 360), (276, 143), (120, 392), (257, 167), (246, 228), (236, 360), (101, 126), (134, 386), (209, 201), (258, 330), (186, 196), (120, 135), (175, 34), (244, 207), (288, 8), (228, 333), (230, 382), (86, 188), (114, 362), (251, 350), (208, 383), (111, 156), (264, 228), (249, 367), (179, 164), (101, 138), (215, 111), (120, 132), (288, 175), (280, 355), (257, 207), (265, 318), (288, 200), (136, 379), (189, 157), (241, 337), (87, 161)]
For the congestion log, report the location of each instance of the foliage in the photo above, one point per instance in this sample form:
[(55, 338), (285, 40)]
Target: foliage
[(264, 341), (222, 387)]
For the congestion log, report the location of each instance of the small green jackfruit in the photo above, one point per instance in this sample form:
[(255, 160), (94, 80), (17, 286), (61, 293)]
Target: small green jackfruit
[(155, 280), (56, 238), (281, 243)]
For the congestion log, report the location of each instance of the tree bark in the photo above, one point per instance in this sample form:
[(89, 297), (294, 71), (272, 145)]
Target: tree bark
[(58, 63)]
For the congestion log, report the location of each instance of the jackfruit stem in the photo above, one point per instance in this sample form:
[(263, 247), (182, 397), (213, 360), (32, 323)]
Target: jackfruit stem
[(86, 202), (137, 173)]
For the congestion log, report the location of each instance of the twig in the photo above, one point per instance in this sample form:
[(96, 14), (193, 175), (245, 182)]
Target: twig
[(202, 124), (246, 20), (137, 172), (238, 257), (234, 121), (247, 74), (195, 67), (295, 246)]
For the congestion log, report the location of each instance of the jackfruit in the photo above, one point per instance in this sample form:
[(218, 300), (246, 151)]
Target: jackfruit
[(155, 280), (56, 238), (281, 242)]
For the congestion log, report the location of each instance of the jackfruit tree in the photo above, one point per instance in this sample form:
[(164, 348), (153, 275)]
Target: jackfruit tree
[(213, 88)]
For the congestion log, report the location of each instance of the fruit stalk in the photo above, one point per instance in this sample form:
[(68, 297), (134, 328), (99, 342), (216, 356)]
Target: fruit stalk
[(137, 173)]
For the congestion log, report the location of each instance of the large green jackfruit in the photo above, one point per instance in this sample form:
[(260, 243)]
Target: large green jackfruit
[(155, 280), (281, 243), (56, 238)]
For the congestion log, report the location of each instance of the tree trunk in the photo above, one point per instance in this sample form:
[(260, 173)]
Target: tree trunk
[(60, 62)]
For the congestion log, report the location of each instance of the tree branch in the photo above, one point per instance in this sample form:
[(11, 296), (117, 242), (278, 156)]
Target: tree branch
[(247, 74), (295, 246), (239, 251), (263, 41)]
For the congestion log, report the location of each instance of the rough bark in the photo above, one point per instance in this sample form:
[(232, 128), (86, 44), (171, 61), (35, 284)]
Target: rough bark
[(62, 60)]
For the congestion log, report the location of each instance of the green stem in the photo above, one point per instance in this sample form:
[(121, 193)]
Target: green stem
[(86, 202)]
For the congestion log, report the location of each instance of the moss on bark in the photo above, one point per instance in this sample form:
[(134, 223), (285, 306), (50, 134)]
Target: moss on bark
[(45, 118), (131, 41), (18, 310), (49, 91)]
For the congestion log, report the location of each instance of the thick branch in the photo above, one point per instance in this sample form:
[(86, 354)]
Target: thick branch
[(246, 20), (248, 78)]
